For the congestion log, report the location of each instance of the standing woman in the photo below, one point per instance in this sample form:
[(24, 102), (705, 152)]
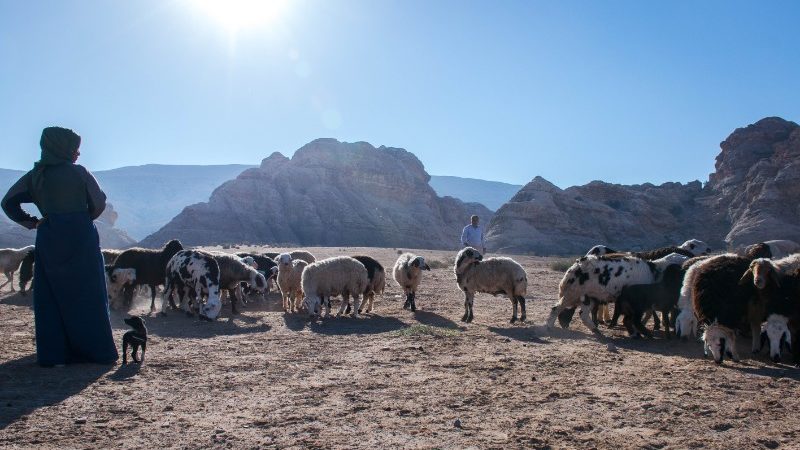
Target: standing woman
[(70, 302)]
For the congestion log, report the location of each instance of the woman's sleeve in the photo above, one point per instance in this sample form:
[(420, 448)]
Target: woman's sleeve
[(15, 197), (95, 196)]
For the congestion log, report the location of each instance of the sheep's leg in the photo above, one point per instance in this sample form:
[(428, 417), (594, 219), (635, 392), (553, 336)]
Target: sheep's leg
[(408, 300), (639, 324), (414, 302), (356, 305), (731, 350), (666, 321), (11, 281), (8, 280), (344, 305), (594, 308), (152, 298), (627, 322), (586, 310), (524, 314), (515, 305), (615, 317), (755, 330), (327, 306), (166, 295)]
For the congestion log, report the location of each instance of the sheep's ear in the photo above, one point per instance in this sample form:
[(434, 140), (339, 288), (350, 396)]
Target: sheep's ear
[(746, 278)]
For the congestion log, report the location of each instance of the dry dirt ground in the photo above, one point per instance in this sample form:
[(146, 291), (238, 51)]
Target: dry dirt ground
[(394, 379)]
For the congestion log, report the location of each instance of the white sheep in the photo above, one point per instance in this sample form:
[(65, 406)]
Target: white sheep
[(330, 277), (116, 281), (407, 273), (10, 259), (492, 276), (289, 274), (599, 279)]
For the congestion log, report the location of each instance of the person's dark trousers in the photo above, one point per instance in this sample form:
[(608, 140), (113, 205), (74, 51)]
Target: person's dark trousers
[(70, 301)]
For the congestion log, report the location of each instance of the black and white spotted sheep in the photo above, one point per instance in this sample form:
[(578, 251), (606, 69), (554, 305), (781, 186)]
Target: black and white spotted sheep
[(192, 275)]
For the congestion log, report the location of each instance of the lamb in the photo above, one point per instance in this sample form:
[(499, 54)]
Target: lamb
[(150, 266), (724, 303), (117, 280), (192, 275), (26, 271), (110, 255), (288, 280), (377, 279), (407, 273), (599, 279), (638, 299), (232, 271), (265, 265), (10, 259), (778, 303), (772, 249), (330, 277), (493, 276)]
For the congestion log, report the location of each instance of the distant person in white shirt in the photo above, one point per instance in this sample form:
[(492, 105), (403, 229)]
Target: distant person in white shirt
[(472, 236)]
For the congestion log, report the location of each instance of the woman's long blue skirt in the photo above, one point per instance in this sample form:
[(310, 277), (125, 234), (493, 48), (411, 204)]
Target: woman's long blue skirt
[(70, 301)]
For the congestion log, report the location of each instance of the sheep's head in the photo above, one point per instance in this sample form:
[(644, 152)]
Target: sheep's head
[(599, 250), (776, 331), (762, 271), (210, 310), (760, 250), (250, 262), (686, 323), (719, 341), (312, 304), (465, 258), (284, 261), (419, 263), (258, 282), (697, 247)]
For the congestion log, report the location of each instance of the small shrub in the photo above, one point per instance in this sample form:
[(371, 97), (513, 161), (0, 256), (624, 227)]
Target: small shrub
[(441, 264), (560, 265)]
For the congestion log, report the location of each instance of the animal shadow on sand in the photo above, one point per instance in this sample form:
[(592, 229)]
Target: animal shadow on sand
[(523, 334), (178, 324), (774, 371), (435, 320), (17, 299), (337, 326), (27, 387)]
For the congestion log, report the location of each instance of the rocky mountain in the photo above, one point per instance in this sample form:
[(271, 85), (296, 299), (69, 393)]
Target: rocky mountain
[(328, 193), (752, 196), (492, 194)]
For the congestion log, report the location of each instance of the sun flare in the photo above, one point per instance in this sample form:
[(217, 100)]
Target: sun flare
[(238, 14)]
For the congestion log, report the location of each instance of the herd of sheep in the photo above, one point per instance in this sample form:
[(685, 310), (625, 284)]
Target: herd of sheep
[(755, 291)]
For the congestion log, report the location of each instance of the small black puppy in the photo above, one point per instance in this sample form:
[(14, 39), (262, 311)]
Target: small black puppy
[(135, 338)]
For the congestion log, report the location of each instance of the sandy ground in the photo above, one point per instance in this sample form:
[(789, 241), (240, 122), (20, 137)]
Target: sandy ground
[(394, 379)]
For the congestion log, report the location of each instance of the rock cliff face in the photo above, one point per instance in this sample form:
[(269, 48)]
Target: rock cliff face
[(752, 196), (329, 193), (756, 184)]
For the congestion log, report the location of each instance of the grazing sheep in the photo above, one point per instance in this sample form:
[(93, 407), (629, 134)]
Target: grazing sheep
[(330, 277), (265, 266), (110, 255), (772, 249), (492, 276), (234, 270), (599, 279), (116, 281), (686, 322), (26, 271), (377, 281), (762, 268), (288, 280), (193, 275), (722, 301), (10, 259), (636, 300), (407, 273), (696, 247), (150, 266)]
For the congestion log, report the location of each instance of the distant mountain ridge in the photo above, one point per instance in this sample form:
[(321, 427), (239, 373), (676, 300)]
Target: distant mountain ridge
[(492, 194), (328, 193)]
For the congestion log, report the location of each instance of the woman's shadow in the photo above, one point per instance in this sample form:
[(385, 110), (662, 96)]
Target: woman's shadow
[(27, 387)]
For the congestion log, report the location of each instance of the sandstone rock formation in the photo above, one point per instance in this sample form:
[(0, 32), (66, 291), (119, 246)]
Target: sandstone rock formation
[(752, 196), (329, 193)]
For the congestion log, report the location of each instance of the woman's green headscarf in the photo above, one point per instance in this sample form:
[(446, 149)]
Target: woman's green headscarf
[(58, 147)]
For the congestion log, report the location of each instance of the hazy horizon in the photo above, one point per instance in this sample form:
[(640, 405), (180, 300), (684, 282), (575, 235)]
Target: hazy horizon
[(625, 92)]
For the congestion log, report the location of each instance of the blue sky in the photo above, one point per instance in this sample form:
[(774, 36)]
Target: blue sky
[(623, 91)]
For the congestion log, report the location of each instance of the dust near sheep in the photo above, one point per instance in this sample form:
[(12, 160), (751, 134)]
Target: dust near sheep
[(393, 379)]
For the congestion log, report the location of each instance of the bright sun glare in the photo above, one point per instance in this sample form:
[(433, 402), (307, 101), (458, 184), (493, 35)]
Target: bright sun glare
[(238, 14)]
